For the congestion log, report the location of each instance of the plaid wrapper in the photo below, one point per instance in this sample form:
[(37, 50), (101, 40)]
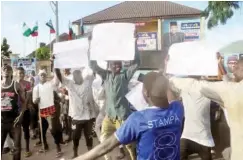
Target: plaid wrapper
[(46, 112)]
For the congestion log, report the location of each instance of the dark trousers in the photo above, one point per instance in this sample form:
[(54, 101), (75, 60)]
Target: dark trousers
[(78, 127), (33, 118), (56, 129), (15, 134), (26, 124), (188, 147), (67, 125)]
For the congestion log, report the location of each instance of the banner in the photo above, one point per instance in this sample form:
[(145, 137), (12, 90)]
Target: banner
[(192, 58), (113, 41), (147, 41), (29, 64), (180, 30)]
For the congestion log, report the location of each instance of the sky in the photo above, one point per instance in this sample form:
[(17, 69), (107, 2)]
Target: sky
[(13, 14)]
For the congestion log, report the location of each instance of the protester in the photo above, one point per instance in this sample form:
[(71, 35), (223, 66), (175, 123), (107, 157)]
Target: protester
[(36, 77), (157, 129), (117, 106), (33, 111), (45, 96), (81, 107), (11, 114), (227, 95), (26, 117), (67, 120)]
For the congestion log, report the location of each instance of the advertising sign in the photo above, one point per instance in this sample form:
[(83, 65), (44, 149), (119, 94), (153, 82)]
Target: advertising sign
[(180, 30), (29, 64), (147, 41)]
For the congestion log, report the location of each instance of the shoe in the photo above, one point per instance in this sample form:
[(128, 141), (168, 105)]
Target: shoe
[(27, 154), (6, 150), (59, 154)]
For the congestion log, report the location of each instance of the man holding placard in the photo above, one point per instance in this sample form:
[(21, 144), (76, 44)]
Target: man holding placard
[(119, 45)]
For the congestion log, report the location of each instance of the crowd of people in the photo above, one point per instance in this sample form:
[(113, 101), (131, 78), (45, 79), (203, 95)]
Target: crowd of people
[(176, 124)]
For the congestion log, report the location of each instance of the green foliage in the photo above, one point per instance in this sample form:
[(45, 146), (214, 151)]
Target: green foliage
[(219, 12), (43, 53), (5, 48)]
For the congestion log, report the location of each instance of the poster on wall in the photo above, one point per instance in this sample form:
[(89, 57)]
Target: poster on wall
[(147, 41), (230, 61), (179, 30), (29, 64)]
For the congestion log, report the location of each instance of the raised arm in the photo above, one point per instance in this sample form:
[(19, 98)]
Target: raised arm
[(59, 78), (133, 68), (95, 67)]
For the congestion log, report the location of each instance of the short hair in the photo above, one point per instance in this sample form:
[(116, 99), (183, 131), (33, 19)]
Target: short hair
[(20, 69), (156, 85)]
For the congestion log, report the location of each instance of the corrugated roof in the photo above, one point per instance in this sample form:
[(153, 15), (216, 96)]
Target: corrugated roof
[(140, 9)]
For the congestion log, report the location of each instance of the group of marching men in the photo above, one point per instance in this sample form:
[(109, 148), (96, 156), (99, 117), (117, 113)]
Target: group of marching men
[(175, 124)]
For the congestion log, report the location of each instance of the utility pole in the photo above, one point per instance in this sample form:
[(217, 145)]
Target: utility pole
[(55, 11)]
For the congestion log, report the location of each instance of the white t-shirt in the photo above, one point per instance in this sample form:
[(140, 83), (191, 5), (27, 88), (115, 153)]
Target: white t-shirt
[(45, 93), (197, 125), (81, 102)]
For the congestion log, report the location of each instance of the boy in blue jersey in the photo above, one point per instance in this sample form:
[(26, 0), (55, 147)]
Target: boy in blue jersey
[(157, 129)]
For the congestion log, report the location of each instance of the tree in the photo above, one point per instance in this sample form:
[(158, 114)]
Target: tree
[(5, 48), (219, 11), (43, 53)]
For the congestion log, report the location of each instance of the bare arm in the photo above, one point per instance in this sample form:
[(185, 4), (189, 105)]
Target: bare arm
[(100, 150), (21, 93), (133, 68), (94, 66)]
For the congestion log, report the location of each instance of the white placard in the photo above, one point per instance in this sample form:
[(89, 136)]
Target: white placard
[(113, 41), (135, 97), (71, 54), (192, 58)]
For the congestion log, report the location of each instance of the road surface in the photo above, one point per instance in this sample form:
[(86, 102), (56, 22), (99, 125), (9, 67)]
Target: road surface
[(67, 150)]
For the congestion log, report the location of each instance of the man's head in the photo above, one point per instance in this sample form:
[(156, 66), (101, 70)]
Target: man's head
[(43, 75), (155, 89), (21, 73), (173, 27), (7, 71), (67, 71), (77, 77), (231, 63), (32, 82), (238, 70), (116, 66)]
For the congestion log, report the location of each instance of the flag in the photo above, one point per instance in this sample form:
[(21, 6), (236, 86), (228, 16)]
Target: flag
[(50, 25), (34, 32), (70, 33), (26, 30)]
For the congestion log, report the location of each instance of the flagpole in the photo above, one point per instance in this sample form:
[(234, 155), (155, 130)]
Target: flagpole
[(50, 43)]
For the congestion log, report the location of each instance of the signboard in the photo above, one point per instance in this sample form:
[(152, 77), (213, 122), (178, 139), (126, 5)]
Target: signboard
[(113, 41), (180, 30), (192, 58), (29, 64), (147, 41)]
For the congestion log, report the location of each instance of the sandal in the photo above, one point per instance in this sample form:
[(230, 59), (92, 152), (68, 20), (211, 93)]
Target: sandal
[(27, 154), (59, 154)]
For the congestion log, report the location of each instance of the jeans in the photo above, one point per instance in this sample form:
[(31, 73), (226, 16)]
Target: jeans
[(15, 134)]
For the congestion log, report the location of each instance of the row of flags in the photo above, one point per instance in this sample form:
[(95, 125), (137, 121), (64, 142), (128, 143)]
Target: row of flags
[(34, 31)]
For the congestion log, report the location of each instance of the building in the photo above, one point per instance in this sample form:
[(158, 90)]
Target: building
[(156, 21)]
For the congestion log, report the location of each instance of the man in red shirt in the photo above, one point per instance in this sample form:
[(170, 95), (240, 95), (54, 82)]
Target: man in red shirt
[(26, 85)]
